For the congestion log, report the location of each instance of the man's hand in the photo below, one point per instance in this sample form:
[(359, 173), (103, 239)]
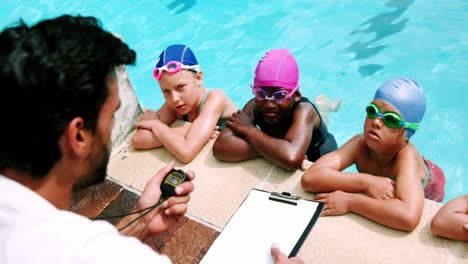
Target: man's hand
[(171, 210), (381, 188), (240, 122), (281, 258), (336, 203)]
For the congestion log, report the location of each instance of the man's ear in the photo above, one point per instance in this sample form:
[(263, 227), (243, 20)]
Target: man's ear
[(78, 137)]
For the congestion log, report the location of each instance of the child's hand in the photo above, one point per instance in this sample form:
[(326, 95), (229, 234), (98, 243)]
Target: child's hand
[(465, 226), (381, 188), (215, 133), (146, 124), (306, 164), (336, 203), (239, 122), (149, 115)]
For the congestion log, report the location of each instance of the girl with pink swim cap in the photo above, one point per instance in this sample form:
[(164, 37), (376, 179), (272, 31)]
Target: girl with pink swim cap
[(278, 124), (393, 178)]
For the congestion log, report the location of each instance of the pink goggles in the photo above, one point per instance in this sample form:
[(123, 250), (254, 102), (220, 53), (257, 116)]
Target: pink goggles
[(278, 96), (173, 67)]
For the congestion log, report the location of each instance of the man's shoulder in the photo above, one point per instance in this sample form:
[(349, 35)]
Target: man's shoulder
[(67, 237)]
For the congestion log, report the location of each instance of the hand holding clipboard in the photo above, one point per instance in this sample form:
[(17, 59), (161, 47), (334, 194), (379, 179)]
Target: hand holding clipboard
[(281, 258), (262, 219)]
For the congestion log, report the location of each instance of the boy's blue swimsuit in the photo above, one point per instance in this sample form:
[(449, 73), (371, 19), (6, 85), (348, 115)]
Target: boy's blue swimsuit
[(322, 142)]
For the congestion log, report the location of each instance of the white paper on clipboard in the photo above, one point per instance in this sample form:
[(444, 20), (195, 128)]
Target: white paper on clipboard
[(258, 223)]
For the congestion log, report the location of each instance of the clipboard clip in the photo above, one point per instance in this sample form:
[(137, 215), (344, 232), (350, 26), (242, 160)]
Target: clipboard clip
[(284, 197)]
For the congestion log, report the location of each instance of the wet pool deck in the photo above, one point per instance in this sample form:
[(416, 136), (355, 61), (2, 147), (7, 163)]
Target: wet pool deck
[(220, 189)]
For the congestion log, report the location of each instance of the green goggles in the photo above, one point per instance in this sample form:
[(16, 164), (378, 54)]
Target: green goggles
[(390, 119)]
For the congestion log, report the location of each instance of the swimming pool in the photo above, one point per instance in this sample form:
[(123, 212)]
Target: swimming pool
[(345, 49)]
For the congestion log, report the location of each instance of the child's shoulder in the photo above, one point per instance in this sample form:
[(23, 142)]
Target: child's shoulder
[(358, 141), (216, 94), (216, 97), (355, 145), (304, 105), (409, 152), (410, 149)]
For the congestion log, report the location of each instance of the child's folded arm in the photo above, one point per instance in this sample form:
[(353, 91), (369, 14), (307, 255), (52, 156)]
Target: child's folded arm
[(287, 152), (187, 147), (451, 219), (326, 179), (404, 211), (184, 147), (326, 175), (393, 213), (144, 137), (231, 148), (278, 151)]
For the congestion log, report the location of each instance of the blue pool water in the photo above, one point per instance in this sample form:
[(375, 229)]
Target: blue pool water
[(345, 49)]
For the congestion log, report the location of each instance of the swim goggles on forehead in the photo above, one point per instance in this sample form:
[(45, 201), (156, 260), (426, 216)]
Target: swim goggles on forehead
[(390, 119), (173, 67), (277, 96)]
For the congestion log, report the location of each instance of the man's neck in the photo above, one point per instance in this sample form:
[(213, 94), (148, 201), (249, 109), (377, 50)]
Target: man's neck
[(51, 188)]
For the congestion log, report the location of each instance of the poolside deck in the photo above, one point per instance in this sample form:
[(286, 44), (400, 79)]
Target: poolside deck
[(221, 187)]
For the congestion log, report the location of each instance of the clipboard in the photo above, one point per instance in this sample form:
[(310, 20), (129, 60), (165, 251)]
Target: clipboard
[(264, 218)]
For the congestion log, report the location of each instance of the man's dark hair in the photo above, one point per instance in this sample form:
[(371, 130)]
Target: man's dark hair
[(51, 73)]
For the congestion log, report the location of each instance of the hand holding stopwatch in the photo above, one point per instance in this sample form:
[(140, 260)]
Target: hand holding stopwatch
[(168, 185), (171, 181)]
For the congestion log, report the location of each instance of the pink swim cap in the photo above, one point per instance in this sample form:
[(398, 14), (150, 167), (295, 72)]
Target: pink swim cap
[(277, 68)]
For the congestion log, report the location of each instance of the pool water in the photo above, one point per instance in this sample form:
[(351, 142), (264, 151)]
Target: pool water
[(345, 50)]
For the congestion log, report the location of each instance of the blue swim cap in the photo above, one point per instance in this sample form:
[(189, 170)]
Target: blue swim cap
[(177, 52), (406, 96)]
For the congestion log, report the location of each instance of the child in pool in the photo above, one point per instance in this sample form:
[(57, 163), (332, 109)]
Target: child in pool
[(181, 82), (279, 124), (392, 175), (451, 220)]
